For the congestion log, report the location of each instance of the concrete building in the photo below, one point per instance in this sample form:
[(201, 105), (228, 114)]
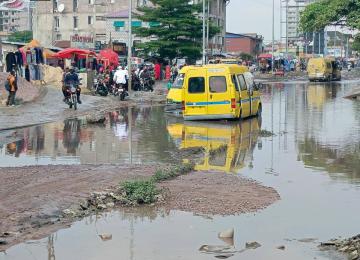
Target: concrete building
[(14, 21), (291, 18), (217, 15), (61, 21), (244, 43)]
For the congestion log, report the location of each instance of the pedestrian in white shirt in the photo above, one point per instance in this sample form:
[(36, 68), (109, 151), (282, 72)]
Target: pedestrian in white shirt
[(120, 76)]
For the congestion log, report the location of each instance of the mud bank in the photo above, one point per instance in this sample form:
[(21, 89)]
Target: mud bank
[(33, 198)]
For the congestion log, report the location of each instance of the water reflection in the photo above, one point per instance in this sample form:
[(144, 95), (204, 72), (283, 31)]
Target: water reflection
[(74, 142), (225, 147), (339, 164)]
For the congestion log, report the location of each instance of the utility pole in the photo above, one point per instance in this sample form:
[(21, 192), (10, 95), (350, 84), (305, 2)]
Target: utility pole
[(287, 29), (204, 37), (273, 36), (130, 47), (208, 25)]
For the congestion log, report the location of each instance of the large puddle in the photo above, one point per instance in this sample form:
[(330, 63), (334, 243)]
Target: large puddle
[(313, 162)]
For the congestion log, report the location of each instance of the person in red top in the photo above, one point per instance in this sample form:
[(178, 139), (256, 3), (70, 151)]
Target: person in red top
[(157, 71), (13, 88)]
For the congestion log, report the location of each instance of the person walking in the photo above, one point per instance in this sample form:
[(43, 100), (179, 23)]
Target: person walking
[(12, 88)]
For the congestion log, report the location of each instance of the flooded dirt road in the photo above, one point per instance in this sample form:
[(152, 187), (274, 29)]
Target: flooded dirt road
[(312, 161)]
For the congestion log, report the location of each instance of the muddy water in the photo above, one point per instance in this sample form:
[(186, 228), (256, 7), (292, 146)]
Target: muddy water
[(313, 162)]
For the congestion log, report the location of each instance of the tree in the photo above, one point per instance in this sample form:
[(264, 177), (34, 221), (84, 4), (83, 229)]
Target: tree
[(177, 28), (246, 56), (318, 15), (21, 36)]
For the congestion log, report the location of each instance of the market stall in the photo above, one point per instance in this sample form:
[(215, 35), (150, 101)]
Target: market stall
[(84, 61), (108, 58)]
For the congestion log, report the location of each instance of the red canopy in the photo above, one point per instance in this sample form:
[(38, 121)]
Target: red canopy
[(109, 56), (68, 53), (265, 56)]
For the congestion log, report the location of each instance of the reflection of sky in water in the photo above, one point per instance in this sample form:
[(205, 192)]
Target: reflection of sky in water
[(315, 202)]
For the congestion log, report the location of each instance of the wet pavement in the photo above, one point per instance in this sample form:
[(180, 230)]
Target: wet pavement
[(49, 108), (312, 161)]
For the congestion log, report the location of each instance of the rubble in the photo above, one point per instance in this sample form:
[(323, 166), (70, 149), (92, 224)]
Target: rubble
[(349, 246)]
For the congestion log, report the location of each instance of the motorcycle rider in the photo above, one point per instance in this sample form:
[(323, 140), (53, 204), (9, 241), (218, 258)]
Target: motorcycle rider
[(73, 78), (146, 77), (120, 77), (63, 89)]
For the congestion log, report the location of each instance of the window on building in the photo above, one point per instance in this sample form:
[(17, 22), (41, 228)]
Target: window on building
[(100, 18), (13, 13), (75, 5), (141, 2), (218, 84), (196, 85), (119, 29), (58, 37), (12, 20), (6, 13), (76, 22), (55, 4), (57, 22), (90, 20), (91, 2)]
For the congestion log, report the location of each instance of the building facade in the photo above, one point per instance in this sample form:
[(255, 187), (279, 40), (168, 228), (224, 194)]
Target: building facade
[(14, 21), (65, 20), (291, 19), (244, 43), (70, 20)]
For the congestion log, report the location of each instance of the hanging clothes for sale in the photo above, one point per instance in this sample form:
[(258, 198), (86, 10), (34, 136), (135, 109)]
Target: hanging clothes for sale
[(27, 73), (10, 61), (19, 59), (28, 57)]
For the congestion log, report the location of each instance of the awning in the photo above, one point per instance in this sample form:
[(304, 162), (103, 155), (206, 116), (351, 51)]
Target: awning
[(109, 56), (70, 52), (265, 56)]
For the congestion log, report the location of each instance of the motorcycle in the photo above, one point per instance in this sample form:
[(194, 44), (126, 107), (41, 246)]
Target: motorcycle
[(120, 91), (72, 97), (100, 87), (146, 84)]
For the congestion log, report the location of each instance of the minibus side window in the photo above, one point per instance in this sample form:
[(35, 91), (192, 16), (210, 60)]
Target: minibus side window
[(179, 81), (242, 82), (218, 84), (235, 82), (196, 85)]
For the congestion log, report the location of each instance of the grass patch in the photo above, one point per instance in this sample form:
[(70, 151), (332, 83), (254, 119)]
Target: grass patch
[(265, 133), (145, 191), (171, 172), (141, 192)]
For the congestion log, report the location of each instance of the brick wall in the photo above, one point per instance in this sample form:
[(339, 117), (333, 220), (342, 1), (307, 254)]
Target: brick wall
[(241, 45)]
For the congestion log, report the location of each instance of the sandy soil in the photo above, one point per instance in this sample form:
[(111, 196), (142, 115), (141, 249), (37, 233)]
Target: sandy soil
[(32, 198), (217, 193)]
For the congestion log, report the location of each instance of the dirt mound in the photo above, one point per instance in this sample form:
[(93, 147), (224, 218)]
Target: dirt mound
[(216, 193), (26, 93), (53, 75)]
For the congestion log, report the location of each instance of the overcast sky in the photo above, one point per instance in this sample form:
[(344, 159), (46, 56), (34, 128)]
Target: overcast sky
[(253, 16)]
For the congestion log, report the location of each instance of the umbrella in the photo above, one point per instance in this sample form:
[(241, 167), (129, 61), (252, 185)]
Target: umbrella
[(108, 55)]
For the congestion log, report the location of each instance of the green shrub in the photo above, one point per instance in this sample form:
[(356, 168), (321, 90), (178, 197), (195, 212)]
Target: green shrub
[(142, 192), (172, 172)]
